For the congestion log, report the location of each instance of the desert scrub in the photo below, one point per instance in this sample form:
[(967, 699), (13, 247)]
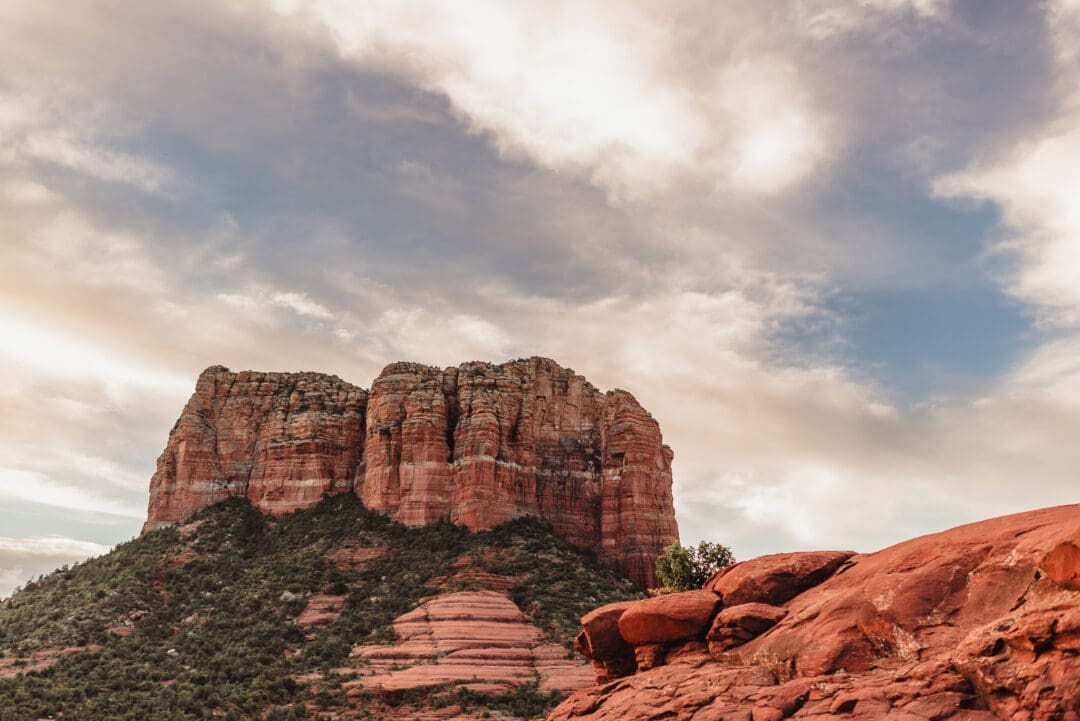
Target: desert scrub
[(214, 611)]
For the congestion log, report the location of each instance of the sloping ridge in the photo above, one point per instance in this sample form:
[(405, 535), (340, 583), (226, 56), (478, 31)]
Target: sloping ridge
[(978, 623), (334, 609)]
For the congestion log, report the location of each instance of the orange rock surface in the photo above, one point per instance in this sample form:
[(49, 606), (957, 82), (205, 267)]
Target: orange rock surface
[(478, 444), (601, 642), (281, 440), (321, 608), (669, 618), (977, 623), (478, 639), (776, 578)]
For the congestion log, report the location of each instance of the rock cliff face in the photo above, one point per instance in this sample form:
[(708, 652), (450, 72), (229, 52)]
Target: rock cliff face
[(478, 444), (978, 623)]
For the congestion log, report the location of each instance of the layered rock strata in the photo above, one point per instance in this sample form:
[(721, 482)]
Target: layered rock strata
[(978, 623), (476, 444), (477, 639)]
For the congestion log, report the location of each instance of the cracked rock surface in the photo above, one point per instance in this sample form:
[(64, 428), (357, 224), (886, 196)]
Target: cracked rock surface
[(976, 623)]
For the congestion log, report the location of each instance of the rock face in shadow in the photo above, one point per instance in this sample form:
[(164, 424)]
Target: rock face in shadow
[(477, 444), (978, 622)]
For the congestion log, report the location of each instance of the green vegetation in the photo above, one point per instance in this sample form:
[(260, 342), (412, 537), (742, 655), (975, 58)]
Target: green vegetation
[(211, 611), (526, 701), (686, 569)]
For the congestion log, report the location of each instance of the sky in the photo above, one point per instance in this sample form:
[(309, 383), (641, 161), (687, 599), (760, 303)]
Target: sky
[(832, 246)]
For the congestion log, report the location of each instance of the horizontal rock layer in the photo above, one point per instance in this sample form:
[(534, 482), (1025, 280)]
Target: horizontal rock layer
[(479, 639), (977, 623), (478, 445)]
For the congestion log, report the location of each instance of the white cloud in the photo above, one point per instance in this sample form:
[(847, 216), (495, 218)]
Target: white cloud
[(640, 100), (64, 149), (51, 546), (442, 338), (1050, 374), (1035, 189), (608, 90), (776, 139), (1034, 184), (52, 130), (17, 485), (257, 299), (22, 559), (31, 346), (829, 18), (301, 304)]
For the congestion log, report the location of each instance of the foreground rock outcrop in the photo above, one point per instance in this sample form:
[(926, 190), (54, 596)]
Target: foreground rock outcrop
[(977, 623), (478, 444)]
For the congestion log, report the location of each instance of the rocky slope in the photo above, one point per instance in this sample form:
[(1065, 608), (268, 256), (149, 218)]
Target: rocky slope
[(332, 612), (478, 444), (978, 623)]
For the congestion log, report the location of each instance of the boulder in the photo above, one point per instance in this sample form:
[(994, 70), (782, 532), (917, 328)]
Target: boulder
[(601, 642), (736, 625), (669, 618), (775, 579)]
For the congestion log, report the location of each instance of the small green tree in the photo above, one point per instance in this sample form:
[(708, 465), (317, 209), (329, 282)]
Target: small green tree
[(686, 569)]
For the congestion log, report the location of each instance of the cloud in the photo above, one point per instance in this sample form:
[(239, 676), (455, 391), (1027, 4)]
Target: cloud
[(1034, 189), (31, 130), (22, 559), (20, 486), (259, 299), (51, 545), (772, 456), (449, 168), (606, 90), (1033, 184), (29, 345), (824, 19)]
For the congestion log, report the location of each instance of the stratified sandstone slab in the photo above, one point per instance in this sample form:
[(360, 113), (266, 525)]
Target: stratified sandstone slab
[(467, 638), (478, 444)]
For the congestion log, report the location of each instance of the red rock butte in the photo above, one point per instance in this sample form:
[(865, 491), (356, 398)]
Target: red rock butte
[(478, 445)]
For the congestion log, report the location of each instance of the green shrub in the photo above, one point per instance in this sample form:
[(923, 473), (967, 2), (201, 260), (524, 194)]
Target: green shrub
[(215, 635), (686, 569)]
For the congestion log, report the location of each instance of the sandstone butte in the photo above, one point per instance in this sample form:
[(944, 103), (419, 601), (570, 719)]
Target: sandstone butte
[(978, 623), (478, 445)]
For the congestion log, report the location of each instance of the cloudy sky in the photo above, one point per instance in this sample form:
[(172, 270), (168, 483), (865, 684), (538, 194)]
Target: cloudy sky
[(833, 246)]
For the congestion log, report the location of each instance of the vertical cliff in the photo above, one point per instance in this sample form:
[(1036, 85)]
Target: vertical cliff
[(281, 440), (478, 444)]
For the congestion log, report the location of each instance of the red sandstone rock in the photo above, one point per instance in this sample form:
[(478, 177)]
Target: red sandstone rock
[(601, 642), (1062, 565), (668, 618), (736, 625), (281, 440), (468, 638), (479, 444), (775, 579), (649, 655), (978, 623), (320, 609)]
